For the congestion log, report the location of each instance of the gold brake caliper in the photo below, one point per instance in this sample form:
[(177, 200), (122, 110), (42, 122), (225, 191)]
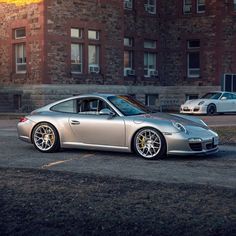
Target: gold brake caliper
[(142, 142)]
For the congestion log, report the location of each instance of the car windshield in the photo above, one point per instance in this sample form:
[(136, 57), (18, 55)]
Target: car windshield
[(212, 96), (128, 106)]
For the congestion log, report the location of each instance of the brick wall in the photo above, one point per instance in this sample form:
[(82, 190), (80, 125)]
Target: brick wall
[(104, 16), (14, 16)]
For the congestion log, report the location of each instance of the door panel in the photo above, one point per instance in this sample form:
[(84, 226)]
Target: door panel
[(98, 129)]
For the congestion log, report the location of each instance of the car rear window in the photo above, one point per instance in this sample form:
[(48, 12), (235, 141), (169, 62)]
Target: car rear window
[(68, 107)]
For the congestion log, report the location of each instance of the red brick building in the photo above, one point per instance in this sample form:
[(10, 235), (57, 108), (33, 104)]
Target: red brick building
[(162, 51)]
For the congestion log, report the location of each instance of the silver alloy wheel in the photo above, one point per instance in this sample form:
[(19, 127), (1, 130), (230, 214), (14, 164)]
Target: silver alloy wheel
[(44, 137), (148, 143)]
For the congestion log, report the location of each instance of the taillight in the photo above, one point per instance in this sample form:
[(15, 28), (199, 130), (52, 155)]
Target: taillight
[(23, 119)]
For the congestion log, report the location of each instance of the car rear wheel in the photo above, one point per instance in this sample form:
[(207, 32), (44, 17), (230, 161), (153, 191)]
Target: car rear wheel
[(45, 138), (211, 109), (150, 144)]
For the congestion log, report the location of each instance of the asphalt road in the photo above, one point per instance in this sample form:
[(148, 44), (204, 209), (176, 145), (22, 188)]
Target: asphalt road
[(214, 170)]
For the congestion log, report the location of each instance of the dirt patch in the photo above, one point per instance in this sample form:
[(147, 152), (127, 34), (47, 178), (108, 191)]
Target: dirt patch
[(37, 202), (227, 135)]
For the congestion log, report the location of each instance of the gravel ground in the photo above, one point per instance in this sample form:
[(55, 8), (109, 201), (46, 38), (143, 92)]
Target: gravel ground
[(40, 202), (227, 135)]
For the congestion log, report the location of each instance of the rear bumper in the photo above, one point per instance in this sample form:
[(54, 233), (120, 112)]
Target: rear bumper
[(24, 130)]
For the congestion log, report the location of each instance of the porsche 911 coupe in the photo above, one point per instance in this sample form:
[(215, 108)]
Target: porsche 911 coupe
[(210, 104), (115, 123)]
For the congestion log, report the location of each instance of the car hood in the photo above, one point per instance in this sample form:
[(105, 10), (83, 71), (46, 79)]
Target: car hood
[(183, 119), (195, 102)]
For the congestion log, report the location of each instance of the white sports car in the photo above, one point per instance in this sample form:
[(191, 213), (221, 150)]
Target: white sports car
[(210, 104)]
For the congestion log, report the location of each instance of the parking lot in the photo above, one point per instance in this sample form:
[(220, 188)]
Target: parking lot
[(205, 182), (202, 170)]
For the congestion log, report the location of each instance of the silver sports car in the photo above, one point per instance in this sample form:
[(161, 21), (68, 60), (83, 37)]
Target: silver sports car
[(115, 123)]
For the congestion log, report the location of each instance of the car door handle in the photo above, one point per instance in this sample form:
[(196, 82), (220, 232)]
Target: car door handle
[(75, 122)]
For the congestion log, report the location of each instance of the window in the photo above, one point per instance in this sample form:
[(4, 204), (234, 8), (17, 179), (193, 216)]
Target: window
[(76, 58), (20, 53), (149, 64), (229, 83), (93, 34), (20, 33), (150, 6), (151, 44), (128, 57), (128, 42), (151, 99), (93, 53), (91, 106), (68, 107), (76, 33), (193, 59), (200, 6), (187, 6), (128, 4)]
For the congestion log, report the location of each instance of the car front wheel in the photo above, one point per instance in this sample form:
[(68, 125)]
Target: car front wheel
[(45, 138), (211, 109), (150, 144)]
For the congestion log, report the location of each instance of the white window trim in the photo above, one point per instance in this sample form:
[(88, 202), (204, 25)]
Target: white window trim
[(97, 35), (128, 4), (192, 69), (17, 63), (185, 6), (78, 72), (80, 33), (23, 37), (147, 7), (198, 4)]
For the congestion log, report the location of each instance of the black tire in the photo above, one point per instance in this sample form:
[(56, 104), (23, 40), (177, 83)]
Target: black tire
[(45, 138), (149, 144), (211, 109)]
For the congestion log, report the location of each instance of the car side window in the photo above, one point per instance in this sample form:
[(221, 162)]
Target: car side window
[(67, 107), (234, 96), (91, 106), (228, 96)]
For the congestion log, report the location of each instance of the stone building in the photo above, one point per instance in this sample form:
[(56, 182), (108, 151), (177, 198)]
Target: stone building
[(161, 51)]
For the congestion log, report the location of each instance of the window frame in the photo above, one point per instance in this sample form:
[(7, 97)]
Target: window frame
[(81, 49), (149, 5), (126, 3), (23, 44), (97, 32), (193, 50), (15, 33), (198, 4), (185, 4), (80, 33)]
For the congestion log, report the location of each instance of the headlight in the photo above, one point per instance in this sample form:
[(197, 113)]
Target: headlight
[(201, 103), (180, 127)]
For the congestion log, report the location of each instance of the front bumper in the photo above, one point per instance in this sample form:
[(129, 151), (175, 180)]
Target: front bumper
[(194, 143), (185, 109)]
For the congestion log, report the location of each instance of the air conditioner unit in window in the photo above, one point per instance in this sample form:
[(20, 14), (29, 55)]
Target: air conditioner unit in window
[(128, 5), (153, 73), (94, 69), (129, 72)]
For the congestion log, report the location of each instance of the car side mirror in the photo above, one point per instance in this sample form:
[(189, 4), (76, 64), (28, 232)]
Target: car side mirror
[(224, 98), (106, 112)]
